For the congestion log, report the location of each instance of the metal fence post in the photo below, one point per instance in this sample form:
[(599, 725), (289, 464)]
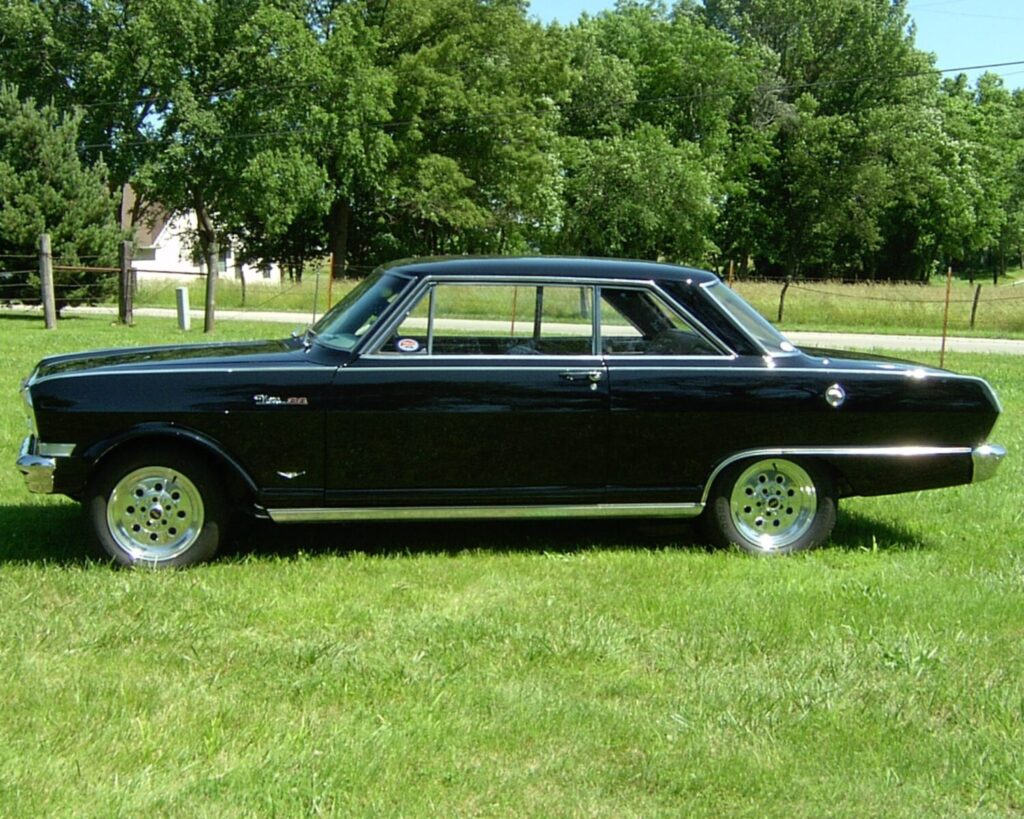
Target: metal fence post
[(126, 286), (974, 305), (46, 282), (945, 317), (782, 296)]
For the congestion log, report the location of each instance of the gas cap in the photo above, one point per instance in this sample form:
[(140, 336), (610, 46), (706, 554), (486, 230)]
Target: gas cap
[(835, 396)]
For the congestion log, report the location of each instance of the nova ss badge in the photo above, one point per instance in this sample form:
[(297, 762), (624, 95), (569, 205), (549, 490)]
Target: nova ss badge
[(276, 400)]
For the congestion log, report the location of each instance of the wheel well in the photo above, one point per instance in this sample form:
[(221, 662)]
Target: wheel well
[(239, 487), (840, 484)]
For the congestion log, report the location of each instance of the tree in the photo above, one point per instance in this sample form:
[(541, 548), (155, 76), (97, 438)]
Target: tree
[(637, 195), (45, 188)]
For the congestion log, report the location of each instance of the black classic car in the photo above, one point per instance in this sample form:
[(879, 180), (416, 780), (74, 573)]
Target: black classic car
[(494, 388)]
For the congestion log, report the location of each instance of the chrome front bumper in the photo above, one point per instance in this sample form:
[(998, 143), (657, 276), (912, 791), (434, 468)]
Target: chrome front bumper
[(36, 469), (986, 459)]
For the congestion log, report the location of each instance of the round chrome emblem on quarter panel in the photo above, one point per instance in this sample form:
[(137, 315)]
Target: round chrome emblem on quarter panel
[(835, 396)]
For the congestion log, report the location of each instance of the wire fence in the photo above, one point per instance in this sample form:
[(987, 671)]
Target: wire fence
[(798, 304)]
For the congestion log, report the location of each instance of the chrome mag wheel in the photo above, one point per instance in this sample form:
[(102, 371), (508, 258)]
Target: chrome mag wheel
[(773, 504), (155, 513)]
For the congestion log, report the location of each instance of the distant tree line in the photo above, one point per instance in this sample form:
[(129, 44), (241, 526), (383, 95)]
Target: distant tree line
[(805, 138)]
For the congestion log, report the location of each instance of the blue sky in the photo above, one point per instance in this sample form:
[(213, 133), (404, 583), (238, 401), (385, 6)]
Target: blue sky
[(959, 32)]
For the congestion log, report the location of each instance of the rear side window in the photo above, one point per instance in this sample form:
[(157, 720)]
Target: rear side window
[(639, 322)]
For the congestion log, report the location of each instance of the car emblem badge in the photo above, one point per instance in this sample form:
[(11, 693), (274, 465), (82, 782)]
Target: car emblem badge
[(277, 401)]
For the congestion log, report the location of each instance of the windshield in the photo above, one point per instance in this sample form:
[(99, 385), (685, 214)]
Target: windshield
[(352, 317), (749, 320)]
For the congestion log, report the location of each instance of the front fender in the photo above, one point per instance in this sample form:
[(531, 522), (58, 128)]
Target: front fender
[(163, 431)]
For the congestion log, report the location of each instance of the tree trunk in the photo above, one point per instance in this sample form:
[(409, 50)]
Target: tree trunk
[(208, 247), (337, 233)]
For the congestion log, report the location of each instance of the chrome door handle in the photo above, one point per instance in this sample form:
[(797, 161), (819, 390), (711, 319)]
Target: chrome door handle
[(593, 376)]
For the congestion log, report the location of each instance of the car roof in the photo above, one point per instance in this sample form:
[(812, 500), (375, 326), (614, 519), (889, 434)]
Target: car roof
[(555, 266)]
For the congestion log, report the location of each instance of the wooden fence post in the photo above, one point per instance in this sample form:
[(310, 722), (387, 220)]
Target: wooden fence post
[(782, 296), (126, 286), (945, 317), (46, 282), (974, 306)]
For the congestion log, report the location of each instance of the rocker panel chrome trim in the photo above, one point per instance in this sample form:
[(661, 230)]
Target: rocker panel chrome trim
[(597, 510)]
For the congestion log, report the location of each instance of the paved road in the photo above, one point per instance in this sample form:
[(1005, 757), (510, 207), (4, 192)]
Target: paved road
[(861, 341)]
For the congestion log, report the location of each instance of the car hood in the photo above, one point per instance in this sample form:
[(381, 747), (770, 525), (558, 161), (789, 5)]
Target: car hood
[(185, 356)]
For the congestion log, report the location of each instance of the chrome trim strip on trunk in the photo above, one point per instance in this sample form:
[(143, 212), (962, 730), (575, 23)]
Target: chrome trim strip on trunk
[(595, 510)]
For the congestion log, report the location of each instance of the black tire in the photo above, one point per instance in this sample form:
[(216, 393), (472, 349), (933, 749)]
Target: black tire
[(157, 507), (771, 506)]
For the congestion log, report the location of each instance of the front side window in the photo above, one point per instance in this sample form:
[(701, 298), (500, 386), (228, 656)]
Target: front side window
[(455, 318)]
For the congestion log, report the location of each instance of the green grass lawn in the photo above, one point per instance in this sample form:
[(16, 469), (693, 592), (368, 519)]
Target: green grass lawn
[(583, 668)]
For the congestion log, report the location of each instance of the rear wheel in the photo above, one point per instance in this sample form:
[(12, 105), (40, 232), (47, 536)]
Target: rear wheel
[(157, 508), (772, 506)]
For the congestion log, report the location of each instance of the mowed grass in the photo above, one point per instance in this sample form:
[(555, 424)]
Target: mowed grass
[(583, 668), (891, 308)]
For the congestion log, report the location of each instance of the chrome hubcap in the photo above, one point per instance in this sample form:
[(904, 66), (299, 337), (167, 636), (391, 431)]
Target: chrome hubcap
[(773, 503), (155, 513)]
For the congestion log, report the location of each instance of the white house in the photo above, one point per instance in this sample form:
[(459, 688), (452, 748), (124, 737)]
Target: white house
[(164, 250)]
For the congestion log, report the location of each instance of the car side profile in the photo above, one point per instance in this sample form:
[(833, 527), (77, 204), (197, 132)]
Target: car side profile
[(483, 388)]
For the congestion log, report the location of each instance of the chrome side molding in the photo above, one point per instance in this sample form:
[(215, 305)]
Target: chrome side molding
[(839, 452), (594, 510)]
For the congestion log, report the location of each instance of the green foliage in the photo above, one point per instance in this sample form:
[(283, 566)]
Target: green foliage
[(45, 188), (795, 137), (637, 196)]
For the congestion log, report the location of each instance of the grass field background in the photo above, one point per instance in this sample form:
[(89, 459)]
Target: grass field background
[(882, 308), (549, 669)]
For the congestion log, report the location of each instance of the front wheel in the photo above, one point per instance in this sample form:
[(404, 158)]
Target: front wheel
[(772, 506), (157, 508)]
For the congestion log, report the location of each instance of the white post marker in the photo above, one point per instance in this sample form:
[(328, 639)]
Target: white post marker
[(184, 318)]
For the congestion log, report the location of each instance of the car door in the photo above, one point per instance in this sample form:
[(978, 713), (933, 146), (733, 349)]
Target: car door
[(478, 393), (670, 380)]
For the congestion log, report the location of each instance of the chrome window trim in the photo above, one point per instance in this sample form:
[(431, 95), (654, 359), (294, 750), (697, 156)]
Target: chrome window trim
[(380, 333), (326, 514), (841, 452), (410, 363)]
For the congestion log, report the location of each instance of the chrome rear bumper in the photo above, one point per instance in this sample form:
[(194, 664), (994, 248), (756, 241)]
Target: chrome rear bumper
[(986, 459), (37, 470)]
